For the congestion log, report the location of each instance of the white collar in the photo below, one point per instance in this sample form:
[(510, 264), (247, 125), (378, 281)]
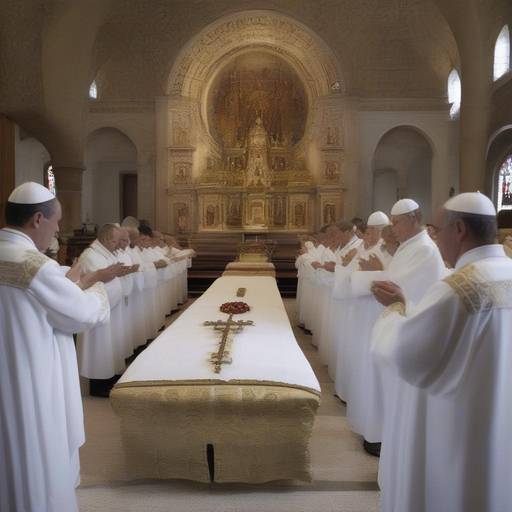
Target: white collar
[(99, 247), (411, 240), (18, 237), (480, 253)]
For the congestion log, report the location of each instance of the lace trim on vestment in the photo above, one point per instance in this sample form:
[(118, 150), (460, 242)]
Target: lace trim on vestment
[(477, 293), (19, 274)]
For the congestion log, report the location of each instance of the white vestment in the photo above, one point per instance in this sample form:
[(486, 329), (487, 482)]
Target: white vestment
[(353, 342), (455, 454), (300, 264), (147, 278), (333, 314), (102, 350), (309, 286), (41, 418), (320, 290), (416, 265), (133, 304)]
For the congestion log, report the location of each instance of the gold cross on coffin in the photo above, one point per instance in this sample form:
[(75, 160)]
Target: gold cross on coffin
[(227, 327)]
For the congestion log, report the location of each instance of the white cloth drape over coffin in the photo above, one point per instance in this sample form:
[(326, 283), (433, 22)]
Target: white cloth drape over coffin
[(257, 413)]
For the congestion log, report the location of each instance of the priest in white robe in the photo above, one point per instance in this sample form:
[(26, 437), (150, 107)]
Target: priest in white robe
[(334, 315), (360, 314), (102, 350), (41, 418), (133, 286), (415, 266), (454, 346)]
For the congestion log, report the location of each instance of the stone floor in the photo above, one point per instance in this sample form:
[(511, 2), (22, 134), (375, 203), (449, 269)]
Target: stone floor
[(344, 475)]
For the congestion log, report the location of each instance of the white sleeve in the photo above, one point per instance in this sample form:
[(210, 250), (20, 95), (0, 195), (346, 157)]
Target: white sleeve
[(427, 344), (361, 281), (69, 308)]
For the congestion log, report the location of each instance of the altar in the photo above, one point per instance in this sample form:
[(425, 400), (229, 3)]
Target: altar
[(248, 419)]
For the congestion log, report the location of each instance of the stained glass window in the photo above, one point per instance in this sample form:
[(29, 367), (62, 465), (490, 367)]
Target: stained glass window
[(51, 180), (505, 185)]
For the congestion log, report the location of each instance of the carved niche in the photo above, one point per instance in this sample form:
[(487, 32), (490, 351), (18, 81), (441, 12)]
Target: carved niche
[(299, 211), (234, 210), (182, 172), (211, 212), (279, 207)]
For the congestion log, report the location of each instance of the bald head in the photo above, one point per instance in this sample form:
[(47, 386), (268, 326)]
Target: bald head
[(109, 235)]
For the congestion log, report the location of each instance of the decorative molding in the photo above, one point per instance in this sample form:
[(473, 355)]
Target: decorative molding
[(115, 107), (403, 104)]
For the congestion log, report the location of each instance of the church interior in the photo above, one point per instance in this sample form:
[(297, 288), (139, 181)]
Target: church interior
[(226, 123)]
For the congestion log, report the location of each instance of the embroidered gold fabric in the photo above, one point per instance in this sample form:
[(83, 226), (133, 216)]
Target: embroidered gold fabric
[(19, 274), (396, 307), (259, 433), (477, 293), (99, 290)]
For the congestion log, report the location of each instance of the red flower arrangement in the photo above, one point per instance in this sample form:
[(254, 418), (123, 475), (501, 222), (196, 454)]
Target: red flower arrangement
[(235, 308)]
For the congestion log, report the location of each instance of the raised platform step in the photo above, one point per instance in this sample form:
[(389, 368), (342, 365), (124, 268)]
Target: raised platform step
[(216, 250)]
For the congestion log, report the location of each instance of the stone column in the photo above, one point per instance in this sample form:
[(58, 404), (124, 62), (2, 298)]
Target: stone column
[(68, 181), (146, 187), (7, 167), (474, 127)]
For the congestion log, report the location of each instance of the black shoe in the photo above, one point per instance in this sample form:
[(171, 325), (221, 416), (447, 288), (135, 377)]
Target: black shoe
[(340, 399), (100, 387), (372, 448)]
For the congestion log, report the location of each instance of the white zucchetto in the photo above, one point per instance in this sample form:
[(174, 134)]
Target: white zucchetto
[(377, 218), (404, 206), (471, 202), (30, 193)]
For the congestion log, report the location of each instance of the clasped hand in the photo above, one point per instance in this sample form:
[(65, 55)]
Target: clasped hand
[(387, 293), (373, 263)]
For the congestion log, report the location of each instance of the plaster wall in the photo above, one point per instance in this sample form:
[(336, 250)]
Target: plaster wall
[(439, 130), (31, 158), (136, 122), (109, 153)]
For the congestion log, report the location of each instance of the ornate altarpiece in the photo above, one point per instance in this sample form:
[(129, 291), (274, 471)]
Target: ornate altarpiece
[(242, 161)]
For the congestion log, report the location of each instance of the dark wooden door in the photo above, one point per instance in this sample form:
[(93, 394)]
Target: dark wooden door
[(128, 195)]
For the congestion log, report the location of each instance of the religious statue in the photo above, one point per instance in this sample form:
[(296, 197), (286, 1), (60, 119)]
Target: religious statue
[(210, 215), (257, 172), (279, 211), (181, 210), (329, 214), (234, 216), (331, 170), (332, 136), (300, 219)]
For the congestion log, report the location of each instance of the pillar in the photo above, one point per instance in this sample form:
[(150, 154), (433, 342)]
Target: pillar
[(68, 181), (7, 163)]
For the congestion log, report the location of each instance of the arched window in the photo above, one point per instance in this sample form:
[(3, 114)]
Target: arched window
[(505, 185), (454, 92), (502, 53), (50, 178), (93, 91)]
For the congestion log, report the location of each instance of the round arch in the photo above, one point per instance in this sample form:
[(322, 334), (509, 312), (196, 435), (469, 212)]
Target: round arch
[(275, 32), (402, 166), (110, 162)]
